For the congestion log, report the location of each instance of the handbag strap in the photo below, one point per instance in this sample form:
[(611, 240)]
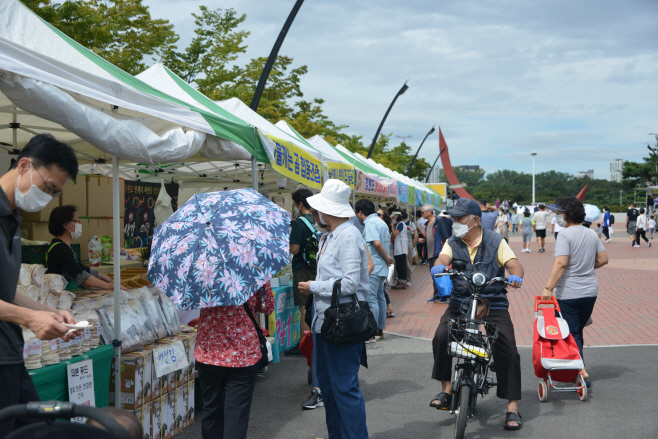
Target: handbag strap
[(336, 292), (259, 332)]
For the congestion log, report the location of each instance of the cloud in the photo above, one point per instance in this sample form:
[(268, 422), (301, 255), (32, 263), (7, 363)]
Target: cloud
[(574, 81)]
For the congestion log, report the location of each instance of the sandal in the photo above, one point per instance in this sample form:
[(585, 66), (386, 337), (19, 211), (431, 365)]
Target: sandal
[(513, 417), (444, 401)]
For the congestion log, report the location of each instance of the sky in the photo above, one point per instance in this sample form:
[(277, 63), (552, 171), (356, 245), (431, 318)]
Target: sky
[(575, 82)]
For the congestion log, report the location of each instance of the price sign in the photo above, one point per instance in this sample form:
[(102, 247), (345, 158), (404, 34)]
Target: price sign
[(81, 385), (169, 358)]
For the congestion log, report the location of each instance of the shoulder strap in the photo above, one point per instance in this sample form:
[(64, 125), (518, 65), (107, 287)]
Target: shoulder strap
[(50, 248), (308, 224)]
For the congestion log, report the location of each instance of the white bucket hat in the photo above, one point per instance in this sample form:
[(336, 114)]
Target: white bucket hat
[(334, 199)]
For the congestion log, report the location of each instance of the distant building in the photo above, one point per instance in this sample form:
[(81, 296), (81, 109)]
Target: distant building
[(615, 169), (434, 176), (470, 168), (589, 173)]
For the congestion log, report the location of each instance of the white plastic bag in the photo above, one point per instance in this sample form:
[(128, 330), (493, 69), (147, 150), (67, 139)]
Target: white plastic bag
[(391, 273)]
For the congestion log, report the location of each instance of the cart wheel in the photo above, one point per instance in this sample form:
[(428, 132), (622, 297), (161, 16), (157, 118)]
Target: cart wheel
[(582, 393), (543, 391)]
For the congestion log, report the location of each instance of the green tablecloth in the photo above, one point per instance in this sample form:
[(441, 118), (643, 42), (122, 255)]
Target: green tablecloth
[(52, 384)]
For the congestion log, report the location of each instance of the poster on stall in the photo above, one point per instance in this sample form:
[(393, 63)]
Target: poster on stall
[(412, 196), (284, 321), (419, 197), (139, 218), (403, 192), (340, 171), (367, 184), (81, 385), (293, 162)]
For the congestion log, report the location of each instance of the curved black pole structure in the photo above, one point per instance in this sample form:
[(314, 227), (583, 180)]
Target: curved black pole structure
[(413, 160), (275, 51), (432, 168), (374, 140)]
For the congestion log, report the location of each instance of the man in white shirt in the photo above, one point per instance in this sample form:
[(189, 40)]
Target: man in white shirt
[(539, 218), (400, 249), (555, 227)]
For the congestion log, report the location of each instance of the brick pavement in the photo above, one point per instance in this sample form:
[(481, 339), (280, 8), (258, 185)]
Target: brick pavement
[(625, 312)]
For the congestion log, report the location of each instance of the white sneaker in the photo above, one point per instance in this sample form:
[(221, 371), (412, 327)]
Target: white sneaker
[(607, 240), (636, 246), (408, 284), (528, 251)]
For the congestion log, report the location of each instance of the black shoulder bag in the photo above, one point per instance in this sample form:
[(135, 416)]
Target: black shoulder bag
[(261, 339), (349, 322)]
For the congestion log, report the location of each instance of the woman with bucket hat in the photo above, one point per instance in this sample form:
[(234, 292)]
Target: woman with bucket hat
[(343, 256)]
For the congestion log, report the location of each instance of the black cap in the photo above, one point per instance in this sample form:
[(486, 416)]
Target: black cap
[(465, 206), (554, 207)]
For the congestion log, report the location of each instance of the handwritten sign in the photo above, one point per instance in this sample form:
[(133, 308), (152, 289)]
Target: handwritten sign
[(169, 358), (81, 385), (139, 217), (284, 321), (293, 162)]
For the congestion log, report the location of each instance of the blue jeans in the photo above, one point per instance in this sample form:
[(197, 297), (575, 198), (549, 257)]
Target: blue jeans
[(576, 312), (377, 299), (338, 371)]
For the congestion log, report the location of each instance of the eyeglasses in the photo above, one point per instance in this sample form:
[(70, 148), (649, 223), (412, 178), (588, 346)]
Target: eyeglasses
[(50, 188)]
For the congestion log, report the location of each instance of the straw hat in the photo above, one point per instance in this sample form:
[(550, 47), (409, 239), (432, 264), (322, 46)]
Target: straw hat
[(334, 199)]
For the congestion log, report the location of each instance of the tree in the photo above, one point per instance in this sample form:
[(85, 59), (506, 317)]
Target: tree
[(120, 31), (634, 173)]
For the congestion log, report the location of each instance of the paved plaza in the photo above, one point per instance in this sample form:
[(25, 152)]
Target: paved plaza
[(626, 311)]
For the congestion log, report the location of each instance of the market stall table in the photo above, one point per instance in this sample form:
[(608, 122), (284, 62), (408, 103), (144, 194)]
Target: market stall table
[(52, 384), (108, 267), (284, 321)]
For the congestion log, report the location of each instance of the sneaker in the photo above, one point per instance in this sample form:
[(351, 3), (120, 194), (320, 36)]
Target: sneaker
[(432, 300), (293, 352), (649, 243), (379, 335), (443, 300), (314, 401), (371, 340), (636, 246), (408, 284), (607, 240), (400, 286), (390, 314), (528, 251)]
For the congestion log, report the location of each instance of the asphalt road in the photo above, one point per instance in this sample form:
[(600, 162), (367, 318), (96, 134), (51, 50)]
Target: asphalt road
[(397, 389)]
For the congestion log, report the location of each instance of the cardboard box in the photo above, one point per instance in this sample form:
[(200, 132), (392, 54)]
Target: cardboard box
[(148, 371), (189, 341), (75, 193), (171, 415), (143, 413), (132, 381), (43, 215), (181, 408), (36, 231), (99, 196), (190, 402), (159, 418)]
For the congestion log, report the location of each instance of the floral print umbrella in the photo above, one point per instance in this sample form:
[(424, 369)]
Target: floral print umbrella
[(219, 248)]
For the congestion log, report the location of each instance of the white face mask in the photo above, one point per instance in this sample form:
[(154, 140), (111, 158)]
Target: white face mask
[(319, 228), (559, 220), (461, 230), (78, 231), (34, 200)]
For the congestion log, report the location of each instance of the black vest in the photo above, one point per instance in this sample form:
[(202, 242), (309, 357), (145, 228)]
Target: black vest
[(487, 253)]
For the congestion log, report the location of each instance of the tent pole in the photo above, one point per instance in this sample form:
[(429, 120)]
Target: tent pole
[(15, 127), (116, 240)]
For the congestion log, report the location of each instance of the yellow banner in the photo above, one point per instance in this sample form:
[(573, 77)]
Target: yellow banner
[(293, 162), (439, 188), (340, 171)]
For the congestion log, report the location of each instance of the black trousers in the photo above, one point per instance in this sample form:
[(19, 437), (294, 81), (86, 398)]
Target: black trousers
[(16, 387), (505, 354), (227, 393), (640, 233), (606, 232), (430, 264), (401, 266)]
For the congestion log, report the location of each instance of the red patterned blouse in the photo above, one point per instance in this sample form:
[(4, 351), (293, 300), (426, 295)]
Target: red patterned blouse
[(226, 335)]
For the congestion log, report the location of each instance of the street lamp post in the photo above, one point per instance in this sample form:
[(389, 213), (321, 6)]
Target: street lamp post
[(421, 145), (533, 154), (620, 192), (374, 140), (432, 168), (654, 151)]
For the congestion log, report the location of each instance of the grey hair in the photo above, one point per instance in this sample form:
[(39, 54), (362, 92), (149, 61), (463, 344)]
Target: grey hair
[(426, 207)]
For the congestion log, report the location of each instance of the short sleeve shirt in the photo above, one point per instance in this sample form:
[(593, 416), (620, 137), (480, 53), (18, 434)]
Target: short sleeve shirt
[(411, 228), (504, 254), (489, 220), (400, 241), (299, 233), (581, 245), (11, 335), (632, 214), (539, 218), (376, 230)]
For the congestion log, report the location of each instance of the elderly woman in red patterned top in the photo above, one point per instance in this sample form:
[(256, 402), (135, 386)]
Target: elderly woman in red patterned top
[(227, 353)]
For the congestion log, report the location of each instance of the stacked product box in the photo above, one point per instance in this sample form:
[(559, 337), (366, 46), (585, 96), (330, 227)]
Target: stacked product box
[(164, 405)]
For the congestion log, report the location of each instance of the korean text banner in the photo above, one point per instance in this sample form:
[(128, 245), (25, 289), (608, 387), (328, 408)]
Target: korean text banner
[(403, 192), (293, 162), (366, 184), (419, 197), (412, 195), (340, 171)]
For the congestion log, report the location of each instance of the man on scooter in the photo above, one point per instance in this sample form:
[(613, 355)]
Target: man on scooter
[(493, 255)]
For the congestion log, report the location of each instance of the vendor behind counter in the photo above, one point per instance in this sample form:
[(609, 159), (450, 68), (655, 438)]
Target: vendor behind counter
[(64, 224)]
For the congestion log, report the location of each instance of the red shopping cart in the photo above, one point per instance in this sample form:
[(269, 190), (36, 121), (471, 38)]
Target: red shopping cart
[(555, 354)]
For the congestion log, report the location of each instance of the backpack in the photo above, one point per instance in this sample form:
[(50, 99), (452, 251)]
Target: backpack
[(311, 245), (612, 219)]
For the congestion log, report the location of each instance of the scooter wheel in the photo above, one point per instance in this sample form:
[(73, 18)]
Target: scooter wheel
[(582, 392), (543, 391)]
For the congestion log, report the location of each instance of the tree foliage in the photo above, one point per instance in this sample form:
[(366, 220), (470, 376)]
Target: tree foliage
[(120, 31)]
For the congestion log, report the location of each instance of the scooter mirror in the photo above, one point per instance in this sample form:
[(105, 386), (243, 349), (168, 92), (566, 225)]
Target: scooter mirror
[(458, 264)]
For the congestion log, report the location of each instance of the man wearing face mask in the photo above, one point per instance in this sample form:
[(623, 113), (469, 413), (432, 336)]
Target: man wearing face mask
[(64, 225), (488, 250), (39, 173)]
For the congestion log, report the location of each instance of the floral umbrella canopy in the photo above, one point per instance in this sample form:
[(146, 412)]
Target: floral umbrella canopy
[(219, 248)]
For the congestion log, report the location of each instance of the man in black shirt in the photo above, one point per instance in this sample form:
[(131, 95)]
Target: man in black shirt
[(631, 222), (40, 172)]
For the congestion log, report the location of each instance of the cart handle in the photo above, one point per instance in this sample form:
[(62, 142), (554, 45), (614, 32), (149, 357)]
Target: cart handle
[(552, 301)]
